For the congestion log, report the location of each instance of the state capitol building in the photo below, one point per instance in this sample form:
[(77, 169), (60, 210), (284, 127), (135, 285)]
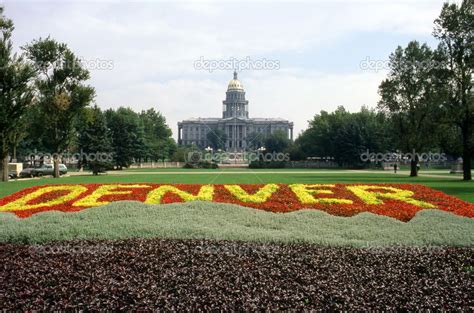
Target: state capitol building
[(235, 122)]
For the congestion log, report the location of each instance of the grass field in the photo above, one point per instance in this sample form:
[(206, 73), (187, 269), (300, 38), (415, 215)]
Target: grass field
[(450, 185)]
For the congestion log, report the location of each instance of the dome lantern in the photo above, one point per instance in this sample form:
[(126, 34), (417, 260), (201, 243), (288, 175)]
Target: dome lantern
[(235, 84)]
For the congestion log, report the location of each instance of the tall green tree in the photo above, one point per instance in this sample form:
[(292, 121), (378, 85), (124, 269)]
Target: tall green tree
[(277, 142), (159, 144), (344, 136), (128, 139), (93, 137), (16, 94), (455, 30), (410, 97), (61, 91)]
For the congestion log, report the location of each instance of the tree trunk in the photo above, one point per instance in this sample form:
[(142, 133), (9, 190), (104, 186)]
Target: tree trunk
[(14, 154), (5, 169), (466, 167), (56, 167), (414, 166), (466, 153)]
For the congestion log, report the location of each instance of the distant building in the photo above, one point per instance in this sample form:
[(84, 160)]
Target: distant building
[(235, 122)]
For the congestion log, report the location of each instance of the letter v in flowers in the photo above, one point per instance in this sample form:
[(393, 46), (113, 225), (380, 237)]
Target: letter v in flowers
[(155, 196), (107, 190)]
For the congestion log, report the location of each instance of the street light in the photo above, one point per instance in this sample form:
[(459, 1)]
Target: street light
[(209, 150), (261, 150)]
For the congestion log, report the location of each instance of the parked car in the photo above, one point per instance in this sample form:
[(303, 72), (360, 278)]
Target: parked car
[(48, 169), (12, 175), (26, 172)]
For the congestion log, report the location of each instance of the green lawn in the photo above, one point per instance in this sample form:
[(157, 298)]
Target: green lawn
[(454, 187)]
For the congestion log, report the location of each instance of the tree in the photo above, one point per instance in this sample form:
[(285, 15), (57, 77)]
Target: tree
[(16, 93), (344, 136), (409, 96), (255, 140), (157, 135), (217, 138), (455, 30), (128, 142), (93, 137), (277, 142), (61, 92)]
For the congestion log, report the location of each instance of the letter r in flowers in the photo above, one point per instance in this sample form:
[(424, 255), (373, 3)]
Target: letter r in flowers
[(369, 196), (155, 196), (27, 202), (306, 193), (262, 195), (105, 190)]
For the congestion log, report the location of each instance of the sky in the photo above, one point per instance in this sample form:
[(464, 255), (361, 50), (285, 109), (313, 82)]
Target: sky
[(294, 58)]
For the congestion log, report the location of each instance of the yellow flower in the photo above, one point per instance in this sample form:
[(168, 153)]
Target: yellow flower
[(372, 197), (155, 196), (22, 203), (262, 195), (105, 190), (305, 194)]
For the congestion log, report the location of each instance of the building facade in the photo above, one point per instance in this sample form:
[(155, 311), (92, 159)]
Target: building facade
[(242, 133)]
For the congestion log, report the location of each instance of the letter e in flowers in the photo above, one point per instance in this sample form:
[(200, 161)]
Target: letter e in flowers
[(105, 190), (306, 193)]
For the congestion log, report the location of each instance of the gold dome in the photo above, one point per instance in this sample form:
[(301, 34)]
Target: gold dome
[(235, 84)]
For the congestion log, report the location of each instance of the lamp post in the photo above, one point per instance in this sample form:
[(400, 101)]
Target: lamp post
[(261, 150), (209, 150)]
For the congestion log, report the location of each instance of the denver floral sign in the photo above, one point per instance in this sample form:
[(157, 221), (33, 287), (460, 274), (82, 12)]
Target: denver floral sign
[(401, 201)]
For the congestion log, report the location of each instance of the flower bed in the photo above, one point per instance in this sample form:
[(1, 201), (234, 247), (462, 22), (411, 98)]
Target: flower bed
[(401, 201)]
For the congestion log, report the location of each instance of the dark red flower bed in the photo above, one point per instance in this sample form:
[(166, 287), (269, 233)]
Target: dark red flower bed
[(201, 275)]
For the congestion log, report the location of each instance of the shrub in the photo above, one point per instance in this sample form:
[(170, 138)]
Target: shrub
[(267, 164), (201, 164)]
